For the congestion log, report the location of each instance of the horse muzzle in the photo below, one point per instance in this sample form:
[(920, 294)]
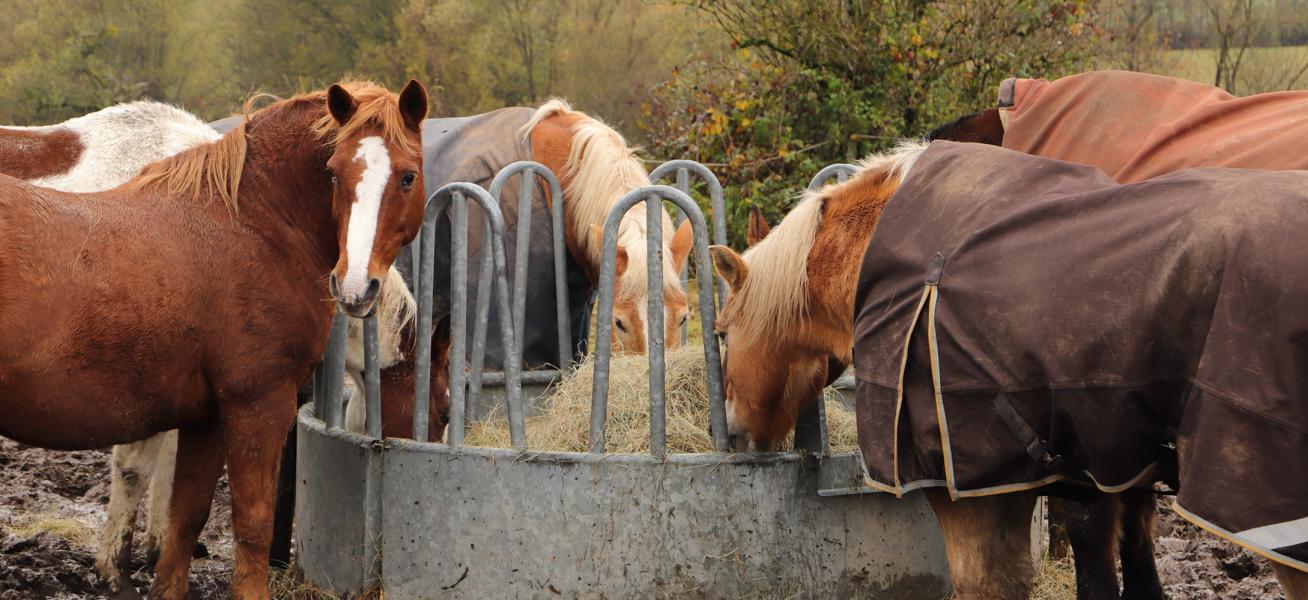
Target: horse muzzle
[(356, 305)]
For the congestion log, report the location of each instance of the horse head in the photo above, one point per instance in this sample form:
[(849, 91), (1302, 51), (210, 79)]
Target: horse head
[(377, 188), (788, 320)]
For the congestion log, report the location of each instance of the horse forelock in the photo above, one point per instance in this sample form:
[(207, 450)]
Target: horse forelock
[(775, 293), (378, 108)]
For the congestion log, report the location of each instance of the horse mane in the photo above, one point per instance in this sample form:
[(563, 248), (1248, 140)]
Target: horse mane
[(219, 164), (395, 311), (774, 294), (600, 169)]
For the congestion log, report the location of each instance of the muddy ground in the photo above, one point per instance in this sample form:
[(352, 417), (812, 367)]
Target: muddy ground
[(52, 505)]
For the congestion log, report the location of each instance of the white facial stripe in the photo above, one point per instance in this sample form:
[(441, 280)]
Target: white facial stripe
[(642, 309), (362, 229)]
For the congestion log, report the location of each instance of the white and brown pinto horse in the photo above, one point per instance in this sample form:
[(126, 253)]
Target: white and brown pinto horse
[(192, 298), (791, 309)]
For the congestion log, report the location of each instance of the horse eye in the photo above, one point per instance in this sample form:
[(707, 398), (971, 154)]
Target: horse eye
[(684, 319), (445, 418), (407, 179), (621, 326), (331, 176)]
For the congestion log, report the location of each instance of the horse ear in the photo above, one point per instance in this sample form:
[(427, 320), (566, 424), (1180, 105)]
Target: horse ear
[(681, 245), (341, 104), (413, 104), (758, 226), (620, 259), (620, 265), (729, 265)]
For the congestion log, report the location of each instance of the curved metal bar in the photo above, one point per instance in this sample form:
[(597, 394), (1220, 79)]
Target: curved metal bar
[(530, 169), (839, 171), (458, 194), (604, 322), (716, 203)]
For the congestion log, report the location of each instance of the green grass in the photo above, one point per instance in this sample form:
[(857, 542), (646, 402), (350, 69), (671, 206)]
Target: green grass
[(1262, 70)]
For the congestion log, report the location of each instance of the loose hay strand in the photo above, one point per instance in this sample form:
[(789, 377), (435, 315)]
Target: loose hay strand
[(563, 423)]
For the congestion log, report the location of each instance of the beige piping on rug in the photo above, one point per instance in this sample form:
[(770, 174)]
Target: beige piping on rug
[(899, 393), (1237, 540)]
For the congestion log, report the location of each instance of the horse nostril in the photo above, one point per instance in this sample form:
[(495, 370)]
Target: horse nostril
[(374, 287), (333, 286)]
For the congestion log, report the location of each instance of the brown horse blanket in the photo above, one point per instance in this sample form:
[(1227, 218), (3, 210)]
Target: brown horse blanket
[(1135, 126), (1020, 320), (474, 149)]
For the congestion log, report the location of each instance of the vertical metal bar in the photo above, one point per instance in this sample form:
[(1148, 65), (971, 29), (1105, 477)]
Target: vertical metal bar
[(683, 184), (477, 363), (371, 377), (334, 363), (658, 436), (458, 316), (422, 379), (561, 300), (319, 393), (716, 203), (512, 360), (522, 246)]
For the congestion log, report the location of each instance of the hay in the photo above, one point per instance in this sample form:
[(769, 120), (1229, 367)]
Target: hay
[(563, 423), (284, 585), (1055, 580), (77, 531)]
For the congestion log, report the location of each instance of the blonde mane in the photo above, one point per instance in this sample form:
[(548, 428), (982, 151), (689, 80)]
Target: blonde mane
[(774, 294), (600, 169), (395, 310), (219, 165)]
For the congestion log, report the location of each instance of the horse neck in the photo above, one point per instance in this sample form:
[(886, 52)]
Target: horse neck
[(551, 145), (284, 194), (837, 255)]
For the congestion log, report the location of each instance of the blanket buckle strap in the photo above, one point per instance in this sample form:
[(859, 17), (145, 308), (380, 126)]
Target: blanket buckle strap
[(1036, 448)]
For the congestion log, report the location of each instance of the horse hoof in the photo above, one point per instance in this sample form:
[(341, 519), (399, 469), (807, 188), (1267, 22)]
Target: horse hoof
[(126, 590), (200, 551)]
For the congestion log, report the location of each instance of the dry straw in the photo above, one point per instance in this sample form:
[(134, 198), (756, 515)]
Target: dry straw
[(563, 421)]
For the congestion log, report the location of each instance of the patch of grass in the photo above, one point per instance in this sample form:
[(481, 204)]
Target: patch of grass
[(1262, 70), (78, 532)]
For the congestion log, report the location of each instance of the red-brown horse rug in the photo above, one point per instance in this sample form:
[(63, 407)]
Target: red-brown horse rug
[(1021, 320), (1135, 126)]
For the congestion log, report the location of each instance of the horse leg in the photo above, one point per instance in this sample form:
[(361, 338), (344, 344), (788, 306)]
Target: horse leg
[(1293, 581), (1139, 573), (200, 449), (1092, 528), (161, 493), (279, 554), (130, 468), (255, 432), (1059, 547), (988, 542)]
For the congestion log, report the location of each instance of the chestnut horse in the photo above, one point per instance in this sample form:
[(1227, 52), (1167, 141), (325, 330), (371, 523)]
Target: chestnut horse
[(790, 310), (104, 149), (195, 298), (595, 167), (1143, 126)]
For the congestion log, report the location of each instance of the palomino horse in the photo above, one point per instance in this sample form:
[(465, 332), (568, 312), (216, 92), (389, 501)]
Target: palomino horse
[(195, 299), (1134, 126), (793, 294), (595, 168)]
